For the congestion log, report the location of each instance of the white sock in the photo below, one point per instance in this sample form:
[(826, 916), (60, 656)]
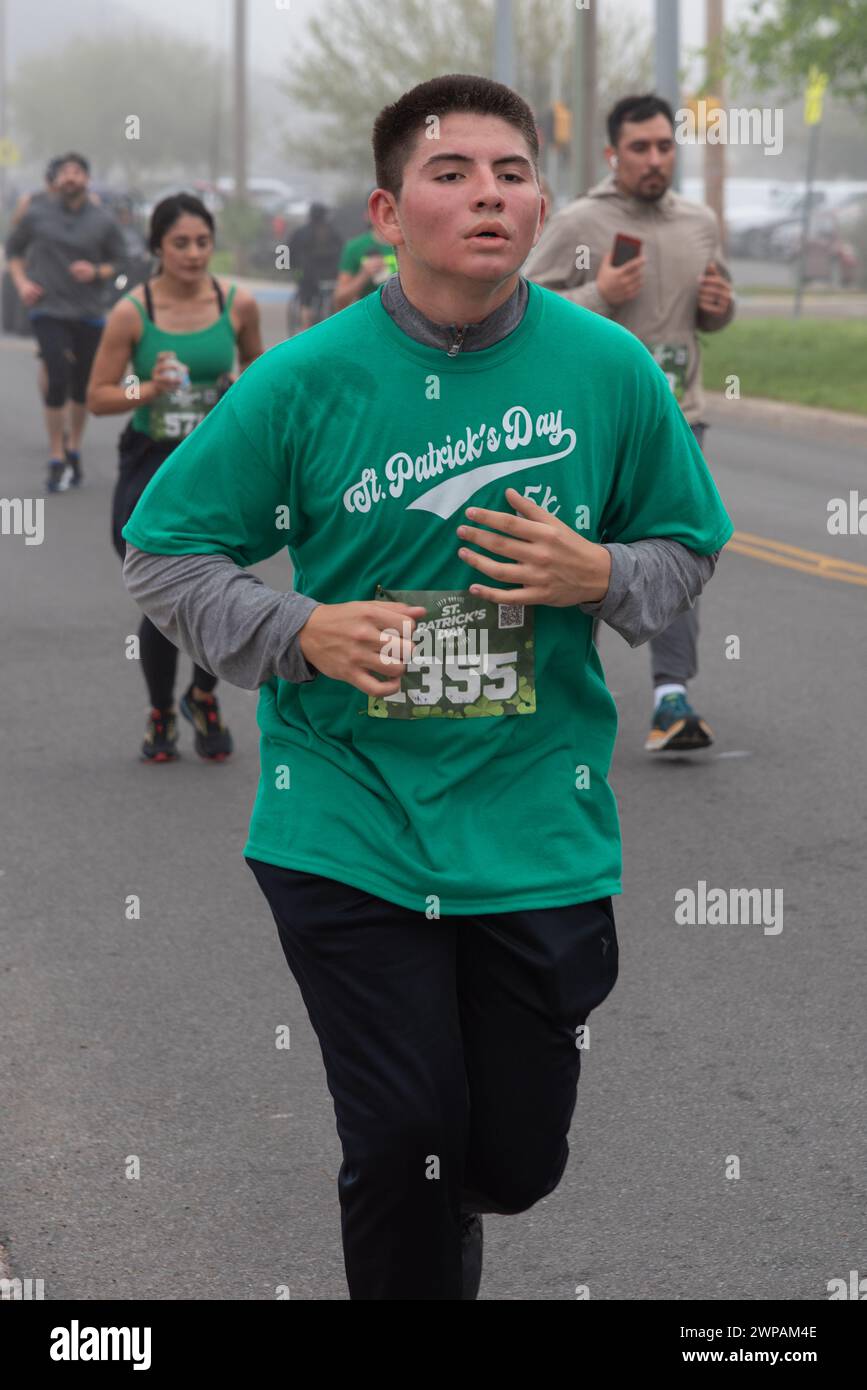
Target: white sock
[(662, 690)]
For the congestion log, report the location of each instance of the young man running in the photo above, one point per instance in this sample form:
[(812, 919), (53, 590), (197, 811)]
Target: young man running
[(436, 838), (677, 286)]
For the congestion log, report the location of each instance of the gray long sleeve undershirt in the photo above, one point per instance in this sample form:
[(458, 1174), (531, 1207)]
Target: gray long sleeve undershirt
[(233, 625)]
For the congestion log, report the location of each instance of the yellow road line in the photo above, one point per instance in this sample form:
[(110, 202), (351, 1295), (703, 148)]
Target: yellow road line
[(794, 557)]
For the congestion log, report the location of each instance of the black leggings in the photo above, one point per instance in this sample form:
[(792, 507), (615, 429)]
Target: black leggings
[(140, 457), (159, 660), (67, 347)]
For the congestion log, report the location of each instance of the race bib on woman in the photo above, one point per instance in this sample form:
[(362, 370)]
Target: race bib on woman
[(471, 658), (175, 414)]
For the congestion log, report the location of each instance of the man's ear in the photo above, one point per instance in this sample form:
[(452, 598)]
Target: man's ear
[(543, 215), (384, 216)]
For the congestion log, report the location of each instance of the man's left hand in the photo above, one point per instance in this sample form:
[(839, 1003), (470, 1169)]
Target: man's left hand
[(714, 292), (549, 562), (83, 271)]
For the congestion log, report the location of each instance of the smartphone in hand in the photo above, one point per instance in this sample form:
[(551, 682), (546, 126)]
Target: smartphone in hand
[(626, 248)]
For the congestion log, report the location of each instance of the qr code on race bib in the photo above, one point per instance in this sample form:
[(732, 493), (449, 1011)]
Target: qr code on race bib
[(511, 615)]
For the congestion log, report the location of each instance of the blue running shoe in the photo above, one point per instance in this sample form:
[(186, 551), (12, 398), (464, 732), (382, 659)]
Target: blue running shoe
[(676, 728)]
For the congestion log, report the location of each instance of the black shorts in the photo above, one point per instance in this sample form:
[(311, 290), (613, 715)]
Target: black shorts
[(308, 289), (140, 457)]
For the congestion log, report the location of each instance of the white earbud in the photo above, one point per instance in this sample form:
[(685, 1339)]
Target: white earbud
[(614, 161)]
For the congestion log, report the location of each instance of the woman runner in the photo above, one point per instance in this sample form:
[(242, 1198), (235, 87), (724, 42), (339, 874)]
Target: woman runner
[(180, 330)]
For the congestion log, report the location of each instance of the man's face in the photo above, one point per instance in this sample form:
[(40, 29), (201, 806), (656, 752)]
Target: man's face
[(646, 153), (478, 176), (71, 180)]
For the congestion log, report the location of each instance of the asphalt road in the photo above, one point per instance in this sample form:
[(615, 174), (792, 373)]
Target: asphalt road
[(155, 1038)]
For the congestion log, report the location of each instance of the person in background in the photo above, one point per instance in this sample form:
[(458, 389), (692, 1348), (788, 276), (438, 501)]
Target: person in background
[(676, 287), (366, 263), (181, 331), (314, 250), (60, 255)]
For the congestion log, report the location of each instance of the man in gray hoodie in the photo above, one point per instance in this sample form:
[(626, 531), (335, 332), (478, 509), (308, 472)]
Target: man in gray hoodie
[(675, 287)]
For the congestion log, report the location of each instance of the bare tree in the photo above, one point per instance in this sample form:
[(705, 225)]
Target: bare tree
[(83, 96), (365, 54)]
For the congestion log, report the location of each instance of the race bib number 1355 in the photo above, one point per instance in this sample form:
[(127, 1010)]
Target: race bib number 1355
[(471, 658)]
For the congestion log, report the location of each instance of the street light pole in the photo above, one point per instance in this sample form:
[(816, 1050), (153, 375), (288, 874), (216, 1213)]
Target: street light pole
[(240, 131), (668, 59), (504, 43), (584, 100), (2, 101), (715, 155)]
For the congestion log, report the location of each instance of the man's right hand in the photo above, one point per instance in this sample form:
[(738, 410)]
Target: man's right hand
[(618, 284), (30, 292), (350, 641)]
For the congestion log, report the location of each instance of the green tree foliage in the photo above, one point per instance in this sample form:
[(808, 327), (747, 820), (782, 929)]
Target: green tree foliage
[(779, 41)]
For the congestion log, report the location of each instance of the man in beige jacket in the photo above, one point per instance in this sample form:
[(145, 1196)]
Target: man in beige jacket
[(677, 286)]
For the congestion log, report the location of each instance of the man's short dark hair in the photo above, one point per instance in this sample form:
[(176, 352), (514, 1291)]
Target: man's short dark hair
[(397, 126), (642, 108)]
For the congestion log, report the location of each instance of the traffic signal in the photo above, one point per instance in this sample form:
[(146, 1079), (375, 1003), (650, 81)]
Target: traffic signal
[(562, 124)]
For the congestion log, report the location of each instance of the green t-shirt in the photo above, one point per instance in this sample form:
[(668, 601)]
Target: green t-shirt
[(355, 251), (375, 444)]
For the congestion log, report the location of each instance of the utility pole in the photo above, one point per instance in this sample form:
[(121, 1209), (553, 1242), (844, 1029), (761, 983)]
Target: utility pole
[(240, 131), (3, 102), (715, 155), (584, 99), (668, 59), (217, 95), (504, 43), (813, 106)]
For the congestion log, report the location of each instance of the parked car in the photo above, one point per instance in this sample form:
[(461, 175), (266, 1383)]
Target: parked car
[(751, 227), (206, 192), (852, 213), (830, 256), (270, 195)]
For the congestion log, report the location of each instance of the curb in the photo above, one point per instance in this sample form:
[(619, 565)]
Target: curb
[(783, 415)]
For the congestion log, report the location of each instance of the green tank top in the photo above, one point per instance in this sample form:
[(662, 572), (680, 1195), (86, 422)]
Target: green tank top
[(209, 353)]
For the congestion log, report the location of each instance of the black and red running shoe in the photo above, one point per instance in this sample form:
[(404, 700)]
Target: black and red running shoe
[(161, 740), (213, 740)]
